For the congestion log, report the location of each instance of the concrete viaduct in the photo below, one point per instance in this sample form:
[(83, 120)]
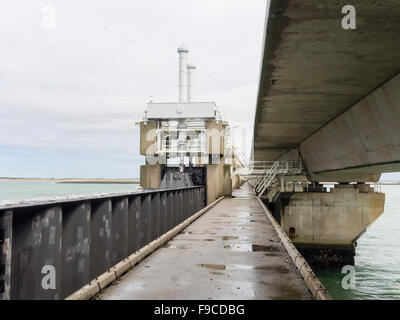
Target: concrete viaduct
[(330, 96)]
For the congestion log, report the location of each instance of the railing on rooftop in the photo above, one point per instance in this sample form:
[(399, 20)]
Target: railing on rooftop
[(192, 146)]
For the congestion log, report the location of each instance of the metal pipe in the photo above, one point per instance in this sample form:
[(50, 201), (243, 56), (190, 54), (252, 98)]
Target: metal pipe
[(191, 72), (183, 73)]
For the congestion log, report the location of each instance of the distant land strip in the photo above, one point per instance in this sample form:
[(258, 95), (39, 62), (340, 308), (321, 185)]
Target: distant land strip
[(75, 180)]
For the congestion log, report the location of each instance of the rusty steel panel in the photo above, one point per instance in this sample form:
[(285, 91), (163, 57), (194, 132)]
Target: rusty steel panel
[(197, 200), (100, 242), (184, 205), (175, 205), (170, 204), (178, 201), (119, 230), (163, 212), (185, 211), (145, 223), (6, 218), (75, 247), (191, 202), (134, 217), (36, 243), (181, 206), (202, 199), (155, 216)]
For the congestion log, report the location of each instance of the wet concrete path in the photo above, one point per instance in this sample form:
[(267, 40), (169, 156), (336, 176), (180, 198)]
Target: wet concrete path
[(231, 252)]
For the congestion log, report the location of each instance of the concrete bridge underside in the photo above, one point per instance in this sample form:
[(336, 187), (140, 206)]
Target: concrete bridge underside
[(330, 96)]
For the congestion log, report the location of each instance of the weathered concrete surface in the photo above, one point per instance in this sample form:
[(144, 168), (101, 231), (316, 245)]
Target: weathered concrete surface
[(148, 135), (215, 138), (364, 139), (218, 181), (312, 70), (150, 176), (336, 218), (227, 185), (324, 226), (231, 252)]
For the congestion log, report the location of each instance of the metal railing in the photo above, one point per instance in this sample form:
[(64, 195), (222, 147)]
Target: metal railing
[(76, 240), (266, 181), (261, 174), (173, 146), (377, 186), (241, 158), (260, 168)]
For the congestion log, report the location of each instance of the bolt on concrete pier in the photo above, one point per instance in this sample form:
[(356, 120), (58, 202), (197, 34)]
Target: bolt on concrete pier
[(231, 252)]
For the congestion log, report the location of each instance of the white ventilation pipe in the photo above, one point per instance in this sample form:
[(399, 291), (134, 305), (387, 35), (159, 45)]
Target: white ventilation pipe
[(183, 73), (191, 69)]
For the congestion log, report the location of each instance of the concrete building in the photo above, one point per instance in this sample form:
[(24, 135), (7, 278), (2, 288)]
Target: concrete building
[(187, 142)]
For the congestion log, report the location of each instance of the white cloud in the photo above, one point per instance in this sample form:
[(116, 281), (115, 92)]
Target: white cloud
[(77, 87)]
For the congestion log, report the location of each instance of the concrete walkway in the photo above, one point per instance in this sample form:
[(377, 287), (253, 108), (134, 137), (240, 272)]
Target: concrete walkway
[(231, 252)]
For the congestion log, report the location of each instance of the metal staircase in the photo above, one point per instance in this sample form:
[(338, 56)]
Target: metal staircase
[(266, 181), (240, 157), (262, 174)]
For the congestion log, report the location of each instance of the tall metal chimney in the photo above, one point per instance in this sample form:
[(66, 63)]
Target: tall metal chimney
[(191, 69), (183, 73)]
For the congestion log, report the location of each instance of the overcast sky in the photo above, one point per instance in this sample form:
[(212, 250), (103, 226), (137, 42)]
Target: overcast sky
[(71, 83), (74, 74)]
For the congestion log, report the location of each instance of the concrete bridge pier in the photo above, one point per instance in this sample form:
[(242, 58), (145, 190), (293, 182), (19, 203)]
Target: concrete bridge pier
[(324, 226)]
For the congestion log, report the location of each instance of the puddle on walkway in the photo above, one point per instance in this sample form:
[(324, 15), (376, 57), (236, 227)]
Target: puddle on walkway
[(199, 232), (229, 238), (216, 272), (242, 215), (223, 238), (249, 247), (239, 228), (213, 266), (227, 267), (231, 267), (136, 286), (174, 246)]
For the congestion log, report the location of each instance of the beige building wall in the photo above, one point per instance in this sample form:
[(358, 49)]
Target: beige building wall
[(219, 182), (215, 138), (150, 176), (227, 180), (148, 137), (212, 183)]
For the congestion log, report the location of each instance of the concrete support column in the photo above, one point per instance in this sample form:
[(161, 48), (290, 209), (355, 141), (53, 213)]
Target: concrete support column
[(325, 225), (218, 181), (150, 176), (227, 184)]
